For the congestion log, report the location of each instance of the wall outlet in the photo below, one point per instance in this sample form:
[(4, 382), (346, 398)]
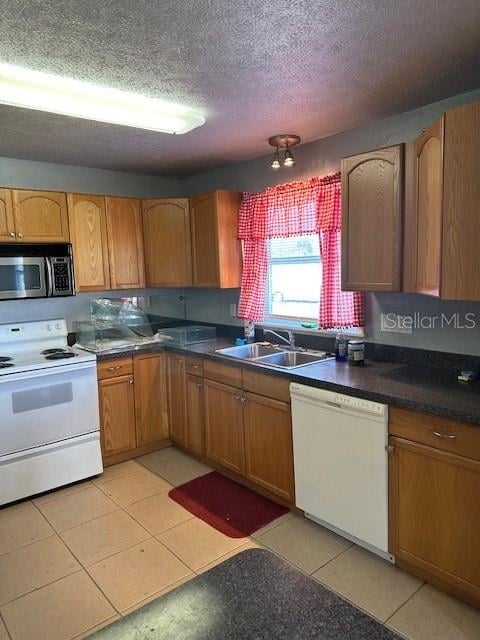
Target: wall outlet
[(395, 323), (233, 310)]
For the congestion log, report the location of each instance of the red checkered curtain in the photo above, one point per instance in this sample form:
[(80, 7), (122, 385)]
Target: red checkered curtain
[(296, 208)]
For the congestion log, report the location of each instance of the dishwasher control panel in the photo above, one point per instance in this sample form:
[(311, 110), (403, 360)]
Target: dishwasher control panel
[(358, 403)]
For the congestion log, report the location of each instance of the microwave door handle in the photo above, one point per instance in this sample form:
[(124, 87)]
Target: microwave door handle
[(50, 284)]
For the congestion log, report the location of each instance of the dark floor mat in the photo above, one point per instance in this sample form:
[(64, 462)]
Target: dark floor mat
[(253, 596)]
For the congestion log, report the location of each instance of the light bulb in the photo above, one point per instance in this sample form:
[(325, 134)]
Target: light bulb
[(289, 160), (276, 160)]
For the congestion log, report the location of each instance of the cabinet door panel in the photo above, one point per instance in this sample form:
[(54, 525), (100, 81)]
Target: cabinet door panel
[(268, 445), (224, 437), (40, 216), (7, 224), (150, 398), (195, 412), (166, 229), (461, 219), (371, 209), (435, 514), (429, 177), (117, 415), (177, 405), (205, 241), (125, 243), (88, 232)]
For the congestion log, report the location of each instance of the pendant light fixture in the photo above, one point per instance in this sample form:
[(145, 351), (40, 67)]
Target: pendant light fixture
[(283, 141)]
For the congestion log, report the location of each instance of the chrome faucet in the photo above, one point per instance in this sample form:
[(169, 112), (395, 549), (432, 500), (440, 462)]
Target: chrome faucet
[(291, 338)]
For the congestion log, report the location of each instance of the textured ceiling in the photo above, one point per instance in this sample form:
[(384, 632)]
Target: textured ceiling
[(255, 68)]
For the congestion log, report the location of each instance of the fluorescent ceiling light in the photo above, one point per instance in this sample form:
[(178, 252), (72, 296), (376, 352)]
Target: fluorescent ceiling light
[(45, 92)]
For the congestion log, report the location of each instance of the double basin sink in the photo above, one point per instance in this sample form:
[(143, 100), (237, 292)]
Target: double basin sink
[(274, 356)]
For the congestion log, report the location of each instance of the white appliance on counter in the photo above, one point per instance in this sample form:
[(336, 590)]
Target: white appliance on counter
[(341, 464), (49, 417)]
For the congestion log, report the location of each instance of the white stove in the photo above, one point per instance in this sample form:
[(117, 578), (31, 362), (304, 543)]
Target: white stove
[(49, 417)]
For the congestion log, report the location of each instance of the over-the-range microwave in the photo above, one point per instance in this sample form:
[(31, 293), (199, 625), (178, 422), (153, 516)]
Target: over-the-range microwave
[(35, 271)]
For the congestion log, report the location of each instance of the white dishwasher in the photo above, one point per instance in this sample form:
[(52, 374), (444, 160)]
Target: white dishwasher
[(341, 464)]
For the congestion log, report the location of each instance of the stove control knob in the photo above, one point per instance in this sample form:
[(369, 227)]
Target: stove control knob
[(57, 327), (48, 327)]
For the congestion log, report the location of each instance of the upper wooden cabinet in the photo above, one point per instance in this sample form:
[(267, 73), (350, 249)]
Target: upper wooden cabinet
[(372, 220), (88, 233), (7, 222), (216, 250), (166, 232), (40, 216), (429, 180), (125, 243), (447, 260)]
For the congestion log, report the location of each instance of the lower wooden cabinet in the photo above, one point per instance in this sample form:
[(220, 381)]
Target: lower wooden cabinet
[(177, 404), (435, 516), (150, 384), (195, 431), (268, 445), (224, 437), (133, 404), (117, 415)]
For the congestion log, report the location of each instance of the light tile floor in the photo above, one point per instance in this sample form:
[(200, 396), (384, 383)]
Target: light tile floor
[(78, 558)]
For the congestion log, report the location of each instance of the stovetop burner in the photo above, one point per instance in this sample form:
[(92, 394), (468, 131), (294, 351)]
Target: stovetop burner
[(5, 358), (47, 352), (5, 365), (60, 355)]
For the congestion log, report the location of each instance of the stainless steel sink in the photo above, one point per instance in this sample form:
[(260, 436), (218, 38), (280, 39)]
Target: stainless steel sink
[(258, 353), (249, 351), (292, 359)]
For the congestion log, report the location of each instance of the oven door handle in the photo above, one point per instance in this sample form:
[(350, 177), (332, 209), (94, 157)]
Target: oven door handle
[(41, 373)]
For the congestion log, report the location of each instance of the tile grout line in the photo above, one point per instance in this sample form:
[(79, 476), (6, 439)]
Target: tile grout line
[(2, 619), (4, 604), (406, 601), (322, 566), (57, 497), (59, 533)]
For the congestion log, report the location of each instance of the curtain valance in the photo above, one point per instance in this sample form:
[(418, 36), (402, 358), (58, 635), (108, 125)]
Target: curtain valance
[(295, 208)]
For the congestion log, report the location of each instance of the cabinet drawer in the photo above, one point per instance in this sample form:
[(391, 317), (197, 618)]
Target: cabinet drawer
[(435, 431), (194, 366), (223, 373), (114, 367), (267, 385)]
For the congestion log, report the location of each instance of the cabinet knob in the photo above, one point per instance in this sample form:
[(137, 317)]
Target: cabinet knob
[(390, 448), (20, 235), (12, 234), (131, 381), (448, 436), (199, 385), (238, 398), (193, 366)]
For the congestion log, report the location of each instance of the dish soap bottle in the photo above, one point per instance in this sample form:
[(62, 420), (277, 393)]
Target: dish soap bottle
[(249, 331), (341, 346)]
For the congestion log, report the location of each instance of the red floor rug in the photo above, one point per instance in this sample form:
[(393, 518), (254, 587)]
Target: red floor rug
[(226, 505)]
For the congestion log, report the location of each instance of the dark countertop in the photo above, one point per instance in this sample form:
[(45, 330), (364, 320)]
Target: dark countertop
[(252, 596), (435, 391)]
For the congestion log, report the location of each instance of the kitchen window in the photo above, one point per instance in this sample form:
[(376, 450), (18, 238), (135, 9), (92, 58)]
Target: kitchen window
[(294, 278)]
